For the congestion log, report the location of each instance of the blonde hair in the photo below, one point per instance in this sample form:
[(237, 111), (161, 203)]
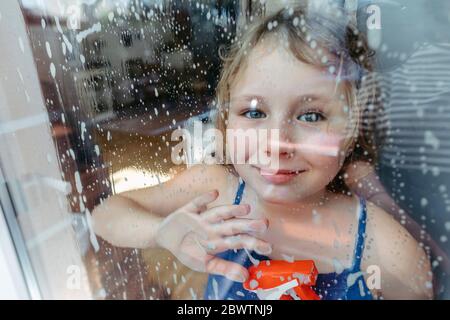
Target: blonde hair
[(333, 35)]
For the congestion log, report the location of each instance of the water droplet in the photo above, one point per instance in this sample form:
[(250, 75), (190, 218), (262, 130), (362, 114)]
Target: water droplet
[(48, 49), (21, 46), (253, 284), (52, 70)]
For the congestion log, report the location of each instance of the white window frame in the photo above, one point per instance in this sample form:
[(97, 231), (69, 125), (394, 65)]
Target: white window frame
[(37, 240), (11, 275)]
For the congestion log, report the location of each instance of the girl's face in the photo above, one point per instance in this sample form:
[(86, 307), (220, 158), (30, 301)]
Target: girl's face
[(310, 116)]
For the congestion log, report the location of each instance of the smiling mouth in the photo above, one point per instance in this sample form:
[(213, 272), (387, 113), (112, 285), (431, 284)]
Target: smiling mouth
[(279, 176)]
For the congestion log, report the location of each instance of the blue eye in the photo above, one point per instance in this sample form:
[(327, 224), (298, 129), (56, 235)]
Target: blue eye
[(311, 117), (254, 114)]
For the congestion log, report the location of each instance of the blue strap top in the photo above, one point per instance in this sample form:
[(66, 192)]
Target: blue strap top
[(346, 285)]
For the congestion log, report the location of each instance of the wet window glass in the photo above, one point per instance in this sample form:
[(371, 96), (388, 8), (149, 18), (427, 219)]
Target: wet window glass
[(233, 149)]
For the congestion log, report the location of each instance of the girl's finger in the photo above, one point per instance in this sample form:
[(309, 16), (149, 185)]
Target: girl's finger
[(238, 226), (228, 269), (199, 203), (219, 213), (242, 241)]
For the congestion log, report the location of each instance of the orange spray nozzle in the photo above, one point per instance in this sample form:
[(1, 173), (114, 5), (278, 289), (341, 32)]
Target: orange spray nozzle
[(298, 275)]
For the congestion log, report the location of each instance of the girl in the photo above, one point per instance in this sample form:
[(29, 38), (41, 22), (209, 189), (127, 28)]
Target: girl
[(298, 75)]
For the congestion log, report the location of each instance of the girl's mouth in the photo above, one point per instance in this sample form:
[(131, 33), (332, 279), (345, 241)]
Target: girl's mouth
[(279, 176)]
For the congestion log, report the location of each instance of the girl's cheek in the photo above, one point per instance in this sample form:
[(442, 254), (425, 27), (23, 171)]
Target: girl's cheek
[(328, 165), (321, 145), (323, 151)]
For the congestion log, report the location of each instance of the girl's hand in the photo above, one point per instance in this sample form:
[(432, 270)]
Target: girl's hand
[(194, 234)]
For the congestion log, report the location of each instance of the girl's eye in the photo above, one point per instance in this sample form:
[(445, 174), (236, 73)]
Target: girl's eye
[(311, 117), (254, 114)]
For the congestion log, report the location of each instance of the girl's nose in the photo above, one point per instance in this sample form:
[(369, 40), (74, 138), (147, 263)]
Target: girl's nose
[(282, 148), (280, 138)]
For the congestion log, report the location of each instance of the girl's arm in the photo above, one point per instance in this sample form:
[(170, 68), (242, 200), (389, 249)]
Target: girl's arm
[(130, 219), (404, 267), (185, 216)]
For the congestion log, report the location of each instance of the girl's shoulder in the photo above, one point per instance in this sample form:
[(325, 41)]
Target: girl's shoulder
[(403, 265), (214, 176)]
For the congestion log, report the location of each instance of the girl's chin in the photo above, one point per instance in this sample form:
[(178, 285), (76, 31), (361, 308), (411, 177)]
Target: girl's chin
[(283, 196), (280, 201), (289, 194)]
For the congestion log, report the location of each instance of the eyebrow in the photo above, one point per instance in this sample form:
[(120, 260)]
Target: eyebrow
[(299, 98)]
